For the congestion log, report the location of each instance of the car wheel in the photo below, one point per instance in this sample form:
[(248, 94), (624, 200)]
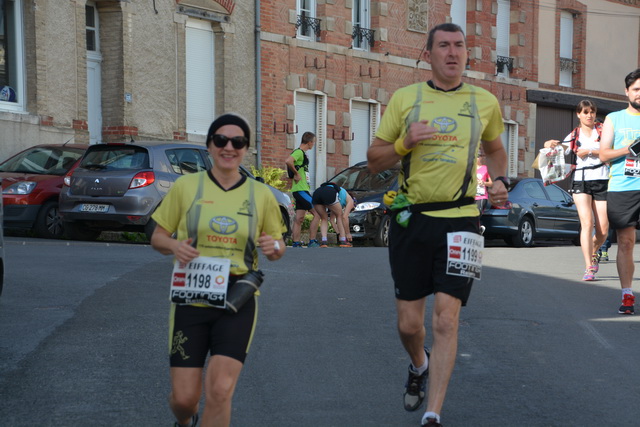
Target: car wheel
[(76, 231), (48, 223), (524, 237), (149, 228), (382, 234)]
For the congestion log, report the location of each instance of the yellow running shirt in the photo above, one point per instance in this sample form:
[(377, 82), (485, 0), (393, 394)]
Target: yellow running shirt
[(227, 224), (435, 170)]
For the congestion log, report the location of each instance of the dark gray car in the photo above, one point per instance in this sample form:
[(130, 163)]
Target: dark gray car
[(1, 247), (537, 211), (117, 187)]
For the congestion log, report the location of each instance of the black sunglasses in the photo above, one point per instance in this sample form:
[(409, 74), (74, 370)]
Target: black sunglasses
[(238, 142)]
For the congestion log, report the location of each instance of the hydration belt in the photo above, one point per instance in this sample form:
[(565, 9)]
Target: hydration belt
[(438, 206)]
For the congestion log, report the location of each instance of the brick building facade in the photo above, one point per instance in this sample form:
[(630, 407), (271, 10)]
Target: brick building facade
[(163, 69), (327, 66)]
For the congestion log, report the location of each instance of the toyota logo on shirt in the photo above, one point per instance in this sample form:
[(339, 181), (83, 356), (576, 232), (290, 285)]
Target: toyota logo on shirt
[(223, 225), (445, 124)]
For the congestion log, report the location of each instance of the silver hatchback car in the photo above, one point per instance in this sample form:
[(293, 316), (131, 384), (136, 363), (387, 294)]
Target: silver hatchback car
[(116, 187)]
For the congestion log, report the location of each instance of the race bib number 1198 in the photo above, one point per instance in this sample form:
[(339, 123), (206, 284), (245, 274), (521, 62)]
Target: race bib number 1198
[(464, 256), (204, 280)]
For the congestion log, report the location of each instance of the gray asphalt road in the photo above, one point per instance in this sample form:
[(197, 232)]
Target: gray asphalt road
[(83, 341)]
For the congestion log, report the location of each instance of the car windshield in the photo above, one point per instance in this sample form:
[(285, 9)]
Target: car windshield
[(358, 178), (43, 161), (109, 157)]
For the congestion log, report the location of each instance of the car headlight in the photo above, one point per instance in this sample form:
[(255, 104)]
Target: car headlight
[(367, 206), (24, 187)]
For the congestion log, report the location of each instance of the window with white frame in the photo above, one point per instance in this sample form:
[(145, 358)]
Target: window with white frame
[(200, 76), (362, 34), (364, 123), (307, 26), (12, 87), (92, 28), (510, 142), (311, 117), (567, 63), (504, 62), (459, 14)]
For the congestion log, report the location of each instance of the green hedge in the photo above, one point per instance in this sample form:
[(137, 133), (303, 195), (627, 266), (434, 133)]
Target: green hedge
[(272, 176)]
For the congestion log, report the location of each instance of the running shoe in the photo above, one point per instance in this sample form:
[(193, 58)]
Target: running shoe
[(296, 245), (627, 304), (324, 244), (414, 388), (193, 423), (595, 261), (431, 422), (346, 245), (604, 256), (313, 244), (589, 275)]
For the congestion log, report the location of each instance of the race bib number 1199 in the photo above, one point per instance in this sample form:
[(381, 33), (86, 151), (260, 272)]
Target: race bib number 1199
[(464, 256), (631, 166)]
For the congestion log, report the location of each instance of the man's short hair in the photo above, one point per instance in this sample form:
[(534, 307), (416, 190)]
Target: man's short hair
[(449, 27), (631, 78), (307, 137)]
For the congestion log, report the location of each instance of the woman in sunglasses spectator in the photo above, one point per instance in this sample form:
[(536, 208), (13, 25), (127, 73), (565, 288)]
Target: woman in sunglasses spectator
[(213, 222)]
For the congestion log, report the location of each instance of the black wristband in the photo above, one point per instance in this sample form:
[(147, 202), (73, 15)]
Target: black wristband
[(506, 181)]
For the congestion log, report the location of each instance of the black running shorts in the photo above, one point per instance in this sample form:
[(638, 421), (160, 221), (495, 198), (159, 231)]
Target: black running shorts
[(595, 188), (303, 200), (196, 331), (418, 257), (326, 196), (623, 209)]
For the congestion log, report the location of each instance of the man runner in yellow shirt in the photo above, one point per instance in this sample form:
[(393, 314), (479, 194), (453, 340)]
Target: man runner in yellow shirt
[(435, 128)]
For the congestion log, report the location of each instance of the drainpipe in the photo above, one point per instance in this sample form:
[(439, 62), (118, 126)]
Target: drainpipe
[(258, 89)]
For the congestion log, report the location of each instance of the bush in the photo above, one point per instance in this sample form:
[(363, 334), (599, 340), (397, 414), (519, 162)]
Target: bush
[(272, 176)]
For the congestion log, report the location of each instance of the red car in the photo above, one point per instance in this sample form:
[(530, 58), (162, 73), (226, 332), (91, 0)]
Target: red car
[(31, 184)]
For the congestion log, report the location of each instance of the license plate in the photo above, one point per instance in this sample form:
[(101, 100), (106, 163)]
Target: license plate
[(94, 208)]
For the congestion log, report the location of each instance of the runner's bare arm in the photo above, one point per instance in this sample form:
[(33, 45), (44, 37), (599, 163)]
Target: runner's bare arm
[(607, 153), (271, 248), (381, 155), (162, 242), (290, 162), (384, 154)]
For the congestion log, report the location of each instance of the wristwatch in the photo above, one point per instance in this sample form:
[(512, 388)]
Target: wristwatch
[(505, 180)]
